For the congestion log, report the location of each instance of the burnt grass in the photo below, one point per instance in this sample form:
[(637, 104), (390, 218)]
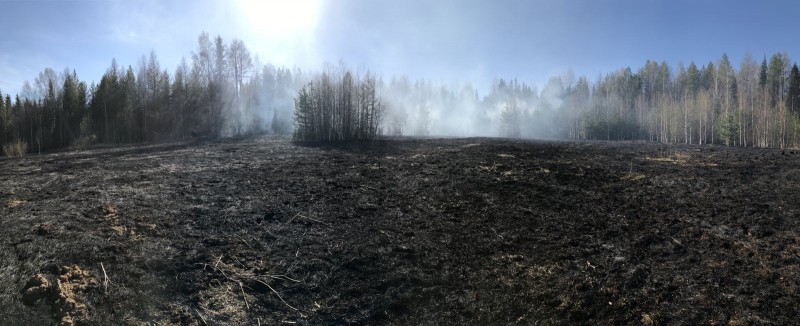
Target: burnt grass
[(402, 231)]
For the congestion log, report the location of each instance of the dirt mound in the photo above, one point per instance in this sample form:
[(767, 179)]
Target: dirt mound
[(64, 293), (37, 288)]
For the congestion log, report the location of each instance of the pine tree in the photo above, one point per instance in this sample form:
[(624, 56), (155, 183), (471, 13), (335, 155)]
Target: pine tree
[(510, 120), (793, 96), (9, 119), (70, 104), (776, 78), (3, 120)]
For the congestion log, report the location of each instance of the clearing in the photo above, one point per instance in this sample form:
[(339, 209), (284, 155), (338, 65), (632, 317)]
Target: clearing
[(401, 231)]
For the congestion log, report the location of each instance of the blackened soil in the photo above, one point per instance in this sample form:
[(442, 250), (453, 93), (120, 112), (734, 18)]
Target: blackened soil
[(408, 232)]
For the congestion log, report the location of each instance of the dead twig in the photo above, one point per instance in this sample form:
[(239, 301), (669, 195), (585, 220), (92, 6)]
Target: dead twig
[(245, 242), (278, 294), (244, 296), (105, 277), (498, 234), (315, 220), (283, 277), (219, 259), (239, 277), (201, 317), (239, 261)]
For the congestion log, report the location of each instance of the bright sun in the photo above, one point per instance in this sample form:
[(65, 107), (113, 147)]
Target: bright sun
[(280, 18)]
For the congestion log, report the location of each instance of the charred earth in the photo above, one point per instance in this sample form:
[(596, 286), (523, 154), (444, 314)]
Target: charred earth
[(401, 231)]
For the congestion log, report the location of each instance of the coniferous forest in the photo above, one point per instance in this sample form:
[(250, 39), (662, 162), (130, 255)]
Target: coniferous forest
[(222, 91)]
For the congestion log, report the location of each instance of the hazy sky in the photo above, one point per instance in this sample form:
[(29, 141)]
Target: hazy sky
[(442, 40)]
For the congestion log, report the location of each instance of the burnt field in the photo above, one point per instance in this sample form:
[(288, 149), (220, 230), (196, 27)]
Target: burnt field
[(405, 231)]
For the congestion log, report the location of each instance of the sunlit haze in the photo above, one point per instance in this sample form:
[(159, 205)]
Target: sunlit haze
[(449, 40)]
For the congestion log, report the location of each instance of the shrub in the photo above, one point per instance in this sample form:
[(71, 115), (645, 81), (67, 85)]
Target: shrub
[(86, 137), (83, 142), (17, 148)]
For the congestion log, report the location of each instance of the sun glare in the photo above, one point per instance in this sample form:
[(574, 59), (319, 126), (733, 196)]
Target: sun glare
[(280, 18)]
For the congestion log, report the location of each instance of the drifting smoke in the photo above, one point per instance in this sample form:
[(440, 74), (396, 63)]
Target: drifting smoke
[(264, 104), (510, 109)]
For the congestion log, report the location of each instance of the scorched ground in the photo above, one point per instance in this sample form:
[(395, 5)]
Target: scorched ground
[(401, 231)]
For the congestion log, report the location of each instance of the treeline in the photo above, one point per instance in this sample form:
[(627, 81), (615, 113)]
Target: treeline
[(756, 105), (54, 119), (222, 91)]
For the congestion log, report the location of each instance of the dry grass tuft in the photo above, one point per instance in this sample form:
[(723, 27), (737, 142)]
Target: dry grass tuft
[(110, 210), (634, 176), (14, 202), (648, 319)]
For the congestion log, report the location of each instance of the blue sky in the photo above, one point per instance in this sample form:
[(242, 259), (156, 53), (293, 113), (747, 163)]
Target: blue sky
[(442, 40)]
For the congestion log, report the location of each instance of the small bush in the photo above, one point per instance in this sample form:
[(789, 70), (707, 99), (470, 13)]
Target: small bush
[(16, 148), (83, 142)]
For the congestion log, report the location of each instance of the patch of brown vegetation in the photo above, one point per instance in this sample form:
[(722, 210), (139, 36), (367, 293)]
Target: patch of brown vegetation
[(119, 229), (648, 320), (126, 227), (110, 211), (14, 202)]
